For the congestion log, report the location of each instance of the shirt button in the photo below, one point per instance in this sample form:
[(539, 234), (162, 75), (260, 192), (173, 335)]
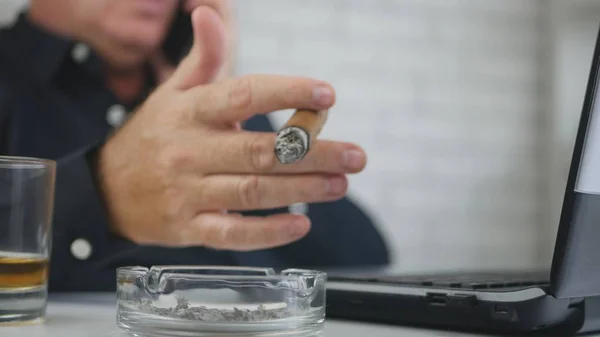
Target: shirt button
[(115, 115), (299, 208), (80, 52), (81, 249)]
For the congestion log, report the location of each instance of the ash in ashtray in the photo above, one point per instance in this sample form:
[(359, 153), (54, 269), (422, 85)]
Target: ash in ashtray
[(184, 311)]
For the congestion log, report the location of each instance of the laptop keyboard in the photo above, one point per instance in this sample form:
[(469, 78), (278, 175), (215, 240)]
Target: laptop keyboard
[(457, 281)]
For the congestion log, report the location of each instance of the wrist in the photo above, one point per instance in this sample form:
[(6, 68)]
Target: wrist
[(104, 172)]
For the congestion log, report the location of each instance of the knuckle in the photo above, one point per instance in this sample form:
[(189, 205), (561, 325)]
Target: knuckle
[(240, 96), (210, 234), (262, 158), (326, 161), (184, 111), (230, 235), (250, 192), (310, 191), (271, 234), (174, 157), (174, 205), (179, 234), (294, 92)]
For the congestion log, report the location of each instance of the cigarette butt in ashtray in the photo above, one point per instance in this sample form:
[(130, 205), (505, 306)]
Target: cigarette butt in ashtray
[(295, 138)]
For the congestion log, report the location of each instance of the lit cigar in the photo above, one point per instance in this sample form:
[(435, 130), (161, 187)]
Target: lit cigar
[(295, 138)]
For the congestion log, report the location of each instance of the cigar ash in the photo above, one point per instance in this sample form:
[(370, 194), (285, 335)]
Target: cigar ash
[(291, 144)]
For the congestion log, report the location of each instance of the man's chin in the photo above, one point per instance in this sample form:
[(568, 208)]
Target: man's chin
[(130, 58), (132, 48), (138, 41)]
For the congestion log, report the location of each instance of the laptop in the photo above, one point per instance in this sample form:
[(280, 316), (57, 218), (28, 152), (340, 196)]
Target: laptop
[(565, 299)]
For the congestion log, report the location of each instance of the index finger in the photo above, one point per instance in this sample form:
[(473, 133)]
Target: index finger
[(238, 99)]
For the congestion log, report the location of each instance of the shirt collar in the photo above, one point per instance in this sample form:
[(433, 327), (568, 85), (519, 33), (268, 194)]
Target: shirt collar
[(38, 52)]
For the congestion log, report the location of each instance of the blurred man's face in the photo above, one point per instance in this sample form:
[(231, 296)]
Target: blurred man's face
[(135, 25)]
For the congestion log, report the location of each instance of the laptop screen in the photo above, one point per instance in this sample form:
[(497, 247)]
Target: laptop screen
[(576, 263), (588, 178)]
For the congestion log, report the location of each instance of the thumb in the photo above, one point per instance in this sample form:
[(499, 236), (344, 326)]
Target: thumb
[(207, 55)]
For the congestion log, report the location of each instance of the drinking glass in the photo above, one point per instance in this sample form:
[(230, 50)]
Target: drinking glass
[(26, 208)]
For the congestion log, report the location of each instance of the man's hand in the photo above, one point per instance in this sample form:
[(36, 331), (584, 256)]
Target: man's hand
[(176, 169)]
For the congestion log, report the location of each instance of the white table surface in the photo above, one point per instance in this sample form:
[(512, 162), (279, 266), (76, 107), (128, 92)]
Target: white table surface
[(93, 315)]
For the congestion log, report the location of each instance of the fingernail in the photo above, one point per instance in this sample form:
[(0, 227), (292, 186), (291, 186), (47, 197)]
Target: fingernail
[(353, 159), (336, 185), (297, 228), (323, 95)]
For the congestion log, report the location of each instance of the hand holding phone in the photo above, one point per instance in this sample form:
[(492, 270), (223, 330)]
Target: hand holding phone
[(180, 38)]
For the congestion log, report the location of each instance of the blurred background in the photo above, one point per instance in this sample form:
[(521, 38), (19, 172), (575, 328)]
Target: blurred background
[(468, 110)]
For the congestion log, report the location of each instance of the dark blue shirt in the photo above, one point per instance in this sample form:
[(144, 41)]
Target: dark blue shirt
[(54, 104)]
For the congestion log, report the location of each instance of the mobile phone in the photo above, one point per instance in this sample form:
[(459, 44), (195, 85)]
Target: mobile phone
[(180, 38)]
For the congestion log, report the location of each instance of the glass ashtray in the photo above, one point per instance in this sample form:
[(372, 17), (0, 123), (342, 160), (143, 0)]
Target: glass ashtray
[(220, 301)]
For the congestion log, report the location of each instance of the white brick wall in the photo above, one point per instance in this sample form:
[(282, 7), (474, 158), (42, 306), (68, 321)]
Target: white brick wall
[(8, 9), (444, 97)]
